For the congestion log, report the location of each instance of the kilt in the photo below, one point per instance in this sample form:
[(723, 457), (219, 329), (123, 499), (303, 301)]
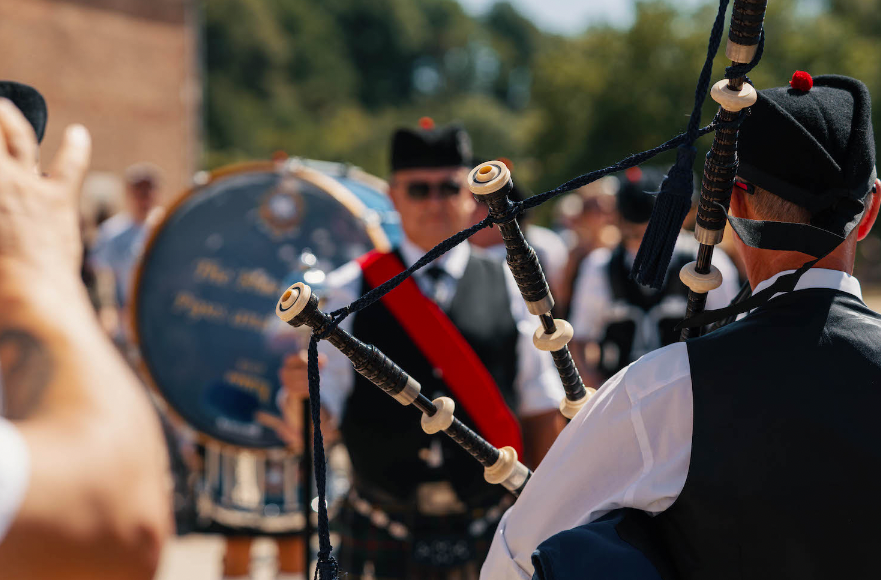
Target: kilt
[(386, 542)]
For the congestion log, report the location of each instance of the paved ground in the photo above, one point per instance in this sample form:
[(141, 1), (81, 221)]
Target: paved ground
[(197, 557), (872, 297)]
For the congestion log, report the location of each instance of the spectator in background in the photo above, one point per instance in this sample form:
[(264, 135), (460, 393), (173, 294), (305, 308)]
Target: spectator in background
[(83, 472), (616, 320), (548, 245), (588, 214), (119, 243)]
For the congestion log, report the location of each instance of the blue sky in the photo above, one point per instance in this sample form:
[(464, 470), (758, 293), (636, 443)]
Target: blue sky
[(568, 16)]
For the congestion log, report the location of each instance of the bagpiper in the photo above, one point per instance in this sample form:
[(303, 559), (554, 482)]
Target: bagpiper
[(753, 447)]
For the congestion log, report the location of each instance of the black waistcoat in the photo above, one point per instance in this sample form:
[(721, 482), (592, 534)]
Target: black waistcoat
[(616, 345), (786, 455), (383, 437)]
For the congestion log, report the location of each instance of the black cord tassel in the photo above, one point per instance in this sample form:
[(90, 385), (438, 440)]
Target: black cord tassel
[(671, 207)]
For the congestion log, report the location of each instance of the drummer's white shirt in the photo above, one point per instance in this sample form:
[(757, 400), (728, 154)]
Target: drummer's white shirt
[(14, 473), (536, 383), (629, 446)]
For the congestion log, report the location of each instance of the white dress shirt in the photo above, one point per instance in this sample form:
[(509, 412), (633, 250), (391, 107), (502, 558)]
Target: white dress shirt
[(536, 383), (594, 308), (14, 473), (629, 446)]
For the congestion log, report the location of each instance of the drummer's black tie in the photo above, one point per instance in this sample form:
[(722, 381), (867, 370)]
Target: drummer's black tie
[(436, 275)]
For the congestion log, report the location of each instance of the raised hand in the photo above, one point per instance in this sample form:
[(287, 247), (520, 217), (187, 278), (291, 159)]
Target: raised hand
[(39, 218)]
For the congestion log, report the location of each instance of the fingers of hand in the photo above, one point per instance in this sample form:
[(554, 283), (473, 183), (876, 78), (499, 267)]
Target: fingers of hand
[(72, 160), (295, 382), (284, 431), (296, 360), (301, 359), (18, 138)]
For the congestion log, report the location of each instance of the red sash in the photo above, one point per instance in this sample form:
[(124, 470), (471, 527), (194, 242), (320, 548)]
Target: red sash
[(446, 349)]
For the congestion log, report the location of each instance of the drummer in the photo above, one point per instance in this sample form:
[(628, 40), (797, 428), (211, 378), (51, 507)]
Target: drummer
[(419, 507)]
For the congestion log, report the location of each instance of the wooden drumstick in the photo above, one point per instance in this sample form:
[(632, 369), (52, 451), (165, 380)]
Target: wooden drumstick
[(491, 183), (299, 306)]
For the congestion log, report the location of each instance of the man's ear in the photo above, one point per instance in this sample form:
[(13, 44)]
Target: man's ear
[(871, 213), (738, 203)]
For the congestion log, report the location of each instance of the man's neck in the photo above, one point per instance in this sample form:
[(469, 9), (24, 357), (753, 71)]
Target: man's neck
[(455, 259), (764, 264)]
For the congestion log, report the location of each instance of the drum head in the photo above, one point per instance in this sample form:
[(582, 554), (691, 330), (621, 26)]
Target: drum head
[(206, 289)]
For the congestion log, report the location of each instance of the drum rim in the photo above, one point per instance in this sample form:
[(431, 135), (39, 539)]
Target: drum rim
[(327, 183)]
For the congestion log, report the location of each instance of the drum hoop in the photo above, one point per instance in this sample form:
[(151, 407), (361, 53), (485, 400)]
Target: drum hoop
[(334, 188)]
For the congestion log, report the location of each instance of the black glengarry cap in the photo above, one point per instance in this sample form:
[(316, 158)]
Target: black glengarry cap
[(812, 144), (29, 101), (637, 190), (430, 146)]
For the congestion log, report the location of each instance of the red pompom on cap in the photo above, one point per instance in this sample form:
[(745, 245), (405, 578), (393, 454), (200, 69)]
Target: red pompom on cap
[(426, 123), (801, 81), (633, 174)]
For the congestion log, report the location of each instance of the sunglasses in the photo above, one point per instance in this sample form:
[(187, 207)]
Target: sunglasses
[(421, 190)]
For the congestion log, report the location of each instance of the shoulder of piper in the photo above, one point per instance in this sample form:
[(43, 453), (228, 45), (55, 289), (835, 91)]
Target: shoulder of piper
[(664, 368)]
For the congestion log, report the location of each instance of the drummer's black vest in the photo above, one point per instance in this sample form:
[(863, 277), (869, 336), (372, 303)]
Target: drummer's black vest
[(384, 439), (786, 456), (617, 343)]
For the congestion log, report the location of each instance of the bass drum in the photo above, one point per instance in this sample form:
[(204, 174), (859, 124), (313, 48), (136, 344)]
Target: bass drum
[(203, 313)]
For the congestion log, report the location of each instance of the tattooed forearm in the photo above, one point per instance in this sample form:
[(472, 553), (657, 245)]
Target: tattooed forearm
[(26, 367)]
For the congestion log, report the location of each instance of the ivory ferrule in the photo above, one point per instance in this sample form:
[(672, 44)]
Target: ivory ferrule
[(697, 282), (733, 101), (488, 178), (293, 301), (409, 393), (556, 340), (442, 419), (542, 306), (507, 471), (570, 408), (708, 237), (740, 52)]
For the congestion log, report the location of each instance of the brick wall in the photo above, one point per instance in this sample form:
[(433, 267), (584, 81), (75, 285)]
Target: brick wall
[(127, 69)]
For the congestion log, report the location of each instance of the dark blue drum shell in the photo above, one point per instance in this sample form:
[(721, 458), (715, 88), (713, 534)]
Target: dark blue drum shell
[(205, 295)]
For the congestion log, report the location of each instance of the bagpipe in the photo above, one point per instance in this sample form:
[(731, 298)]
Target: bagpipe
[(605, 551)]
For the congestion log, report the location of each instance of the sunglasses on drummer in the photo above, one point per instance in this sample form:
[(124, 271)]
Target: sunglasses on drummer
[(420, 190)]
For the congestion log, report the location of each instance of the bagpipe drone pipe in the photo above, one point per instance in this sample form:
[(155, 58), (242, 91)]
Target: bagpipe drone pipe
[(620, 545)]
